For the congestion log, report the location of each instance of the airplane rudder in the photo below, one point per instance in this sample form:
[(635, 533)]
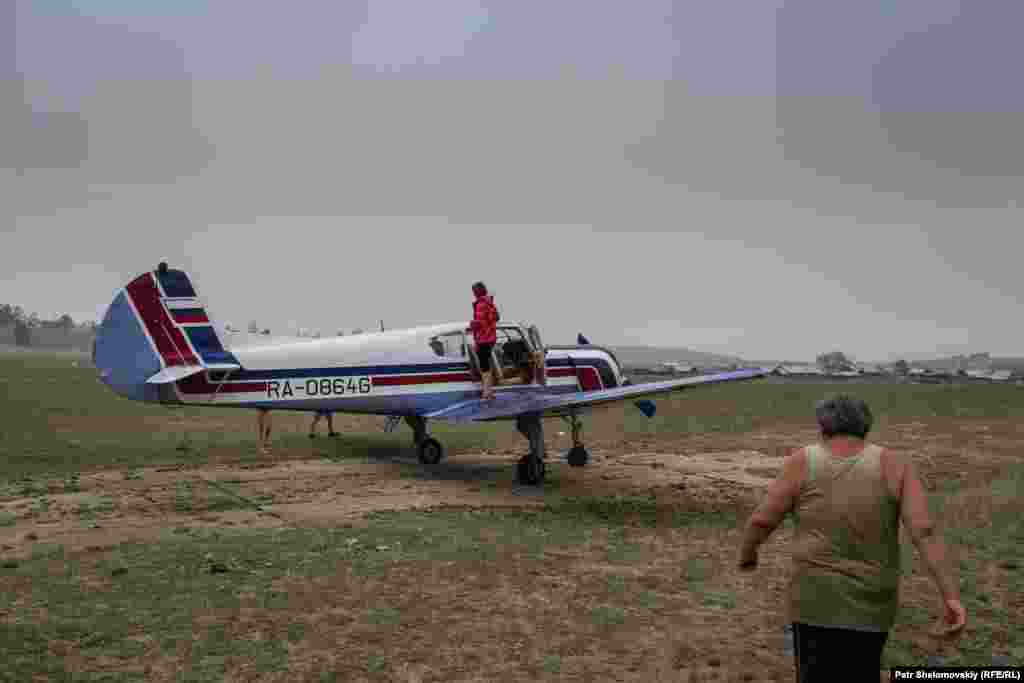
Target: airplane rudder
[(123, 355)]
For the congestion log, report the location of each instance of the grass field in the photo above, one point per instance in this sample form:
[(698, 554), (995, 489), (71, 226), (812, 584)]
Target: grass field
[(143, 542)]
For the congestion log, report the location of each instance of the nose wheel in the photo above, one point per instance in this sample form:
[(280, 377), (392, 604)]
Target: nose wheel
[(577, 455)]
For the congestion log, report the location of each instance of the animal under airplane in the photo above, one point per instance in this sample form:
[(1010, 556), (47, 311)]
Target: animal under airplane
[(157, 344)]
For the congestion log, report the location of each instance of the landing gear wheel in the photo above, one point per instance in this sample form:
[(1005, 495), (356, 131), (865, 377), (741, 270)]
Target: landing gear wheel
[(578, 456), (530, 470), (430, 451)]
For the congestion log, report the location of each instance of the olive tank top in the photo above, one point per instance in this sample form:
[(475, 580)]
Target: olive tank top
[(846, 557)]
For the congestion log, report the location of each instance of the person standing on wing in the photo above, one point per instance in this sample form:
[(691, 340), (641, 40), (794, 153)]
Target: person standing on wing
[(485, 335)]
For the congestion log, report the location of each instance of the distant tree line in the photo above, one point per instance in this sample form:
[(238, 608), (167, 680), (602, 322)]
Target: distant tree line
[(24, 323)]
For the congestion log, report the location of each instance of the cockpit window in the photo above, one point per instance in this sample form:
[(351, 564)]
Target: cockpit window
[(449, 345)]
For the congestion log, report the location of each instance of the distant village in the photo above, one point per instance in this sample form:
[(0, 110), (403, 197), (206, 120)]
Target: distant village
[(19, 329), (980, 367)]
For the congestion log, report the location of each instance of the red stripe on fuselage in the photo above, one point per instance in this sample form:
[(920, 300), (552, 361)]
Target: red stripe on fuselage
[(587, 377), (197, 384), (187, 318), (401, 380), (170, 342)]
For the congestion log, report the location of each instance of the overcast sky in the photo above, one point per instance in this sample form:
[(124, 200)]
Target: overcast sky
[(772, 179)]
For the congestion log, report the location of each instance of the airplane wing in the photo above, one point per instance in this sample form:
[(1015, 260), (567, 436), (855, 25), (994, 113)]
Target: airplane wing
[(506, 406)]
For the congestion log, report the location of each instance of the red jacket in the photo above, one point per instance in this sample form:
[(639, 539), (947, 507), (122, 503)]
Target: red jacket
[(485, 320)]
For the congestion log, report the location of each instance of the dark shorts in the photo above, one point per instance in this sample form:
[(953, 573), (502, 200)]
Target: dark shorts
[(820, 652), (483, 353)]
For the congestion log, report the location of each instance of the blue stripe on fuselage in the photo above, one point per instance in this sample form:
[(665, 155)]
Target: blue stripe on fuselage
[(423, 368), (413, 369), (398, 404)]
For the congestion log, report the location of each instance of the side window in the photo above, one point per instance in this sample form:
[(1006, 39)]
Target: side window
[(448, 345)]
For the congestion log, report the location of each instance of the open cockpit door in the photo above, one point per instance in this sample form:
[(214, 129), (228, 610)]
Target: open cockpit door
[(519, 354), (534, 334)]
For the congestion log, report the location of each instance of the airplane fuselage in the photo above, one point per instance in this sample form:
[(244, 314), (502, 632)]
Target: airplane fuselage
[(157, 344), (398, 388)]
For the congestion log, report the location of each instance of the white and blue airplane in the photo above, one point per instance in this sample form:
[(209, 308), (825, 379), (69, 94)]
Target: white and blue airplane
[(157, 344)]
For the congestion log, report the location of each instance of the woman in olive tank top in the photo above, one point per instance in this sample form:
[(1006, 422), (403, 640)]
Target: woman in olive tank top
[(848, 498)]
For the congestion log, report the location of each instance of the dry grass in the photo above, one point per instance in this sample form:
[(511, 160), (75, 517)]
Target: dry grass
[(121, 562)]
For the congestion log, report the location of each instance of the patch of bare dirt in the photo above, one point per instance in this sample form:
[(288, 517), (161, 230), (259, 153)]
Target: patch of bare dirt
[(538, 619), (292, 488)]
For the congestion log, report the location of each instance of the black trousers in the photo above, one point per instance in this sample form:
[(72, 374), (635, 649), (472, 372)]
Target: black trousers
[(828, 654)]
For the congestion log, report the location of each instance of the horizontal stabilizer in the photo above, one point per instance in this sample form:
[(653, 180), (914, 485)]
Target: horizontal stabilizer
[(174, 373), (223, 366)]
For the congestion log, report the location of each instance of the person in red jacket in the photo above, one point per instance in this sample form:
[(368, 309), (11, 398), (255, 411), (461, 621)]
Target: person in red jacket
[(484, 328)]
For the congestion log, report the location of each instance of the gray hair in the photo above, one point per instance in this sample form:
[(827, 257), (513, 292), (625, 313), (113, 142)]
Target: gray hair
[(844, 415)]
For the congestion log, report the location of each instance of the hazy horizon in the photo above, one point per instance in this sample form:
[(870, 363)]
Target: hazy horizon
[(769, 182)]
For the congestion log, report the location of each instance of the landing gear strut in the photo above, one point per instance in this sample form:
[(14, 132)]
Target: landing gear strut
[(429, 449), (530, 468), (577, 455)]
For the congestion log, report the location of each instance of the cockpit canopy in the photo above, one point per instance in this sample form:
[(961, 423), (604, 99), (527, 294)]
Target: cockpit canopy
[(514, 345), (513, 340)]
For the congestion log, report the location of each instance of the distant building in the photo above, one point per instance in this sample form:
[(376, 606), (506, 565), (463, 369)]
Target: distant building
[(979, 362), (673, 367)]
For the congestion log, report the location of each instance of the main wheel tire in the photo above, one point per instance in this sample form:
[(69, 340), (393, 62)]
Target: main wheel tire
[(578, 456), (530, 471), (430, 451)]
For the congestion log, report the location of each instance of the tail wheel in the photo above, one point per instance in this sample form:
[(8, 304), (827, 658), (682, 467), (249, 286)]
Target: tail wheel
[(578, 456), (430, 451)]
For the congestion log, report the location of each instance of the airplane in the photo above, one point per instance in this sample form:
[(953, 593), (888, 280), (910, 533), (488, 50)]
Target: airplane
[(157, 344)]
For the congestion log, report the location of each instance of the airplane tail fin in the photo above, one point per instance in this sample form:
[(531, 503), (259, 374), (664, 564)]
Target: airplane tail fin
[(156, 332)]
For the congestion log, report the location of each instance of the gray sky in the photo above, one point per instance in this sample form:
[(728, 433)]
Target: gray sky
[(774, 180)]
